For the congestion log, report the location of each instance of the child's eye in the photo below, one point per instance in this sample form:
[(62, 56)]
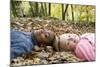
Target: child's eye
[(69, 36), (12, 61), (46, 35), (74, 41)]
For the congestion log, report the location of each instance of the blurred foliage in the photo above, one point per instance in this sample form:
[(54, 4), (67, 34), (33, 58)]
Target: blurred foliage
[(67, 12)]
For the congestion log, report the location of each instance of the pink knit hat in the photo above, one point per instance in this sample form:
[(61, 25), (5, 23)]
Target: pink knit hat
[(85, 49), (90, 37)]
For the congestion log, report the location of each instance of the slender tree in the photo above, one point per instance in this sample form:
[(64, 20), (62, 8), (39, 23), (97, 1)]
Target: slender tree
[(13, 8), (72, 12), (36, 9), (42, 11), (31, 8), (64, 11), (80, 13), (87, 17), (45, 9), (49, 6)]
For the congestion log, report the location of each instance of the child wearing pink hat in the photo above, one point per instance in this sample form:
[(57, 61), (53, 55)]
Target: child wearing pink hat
[(65, 42), (83, 46)]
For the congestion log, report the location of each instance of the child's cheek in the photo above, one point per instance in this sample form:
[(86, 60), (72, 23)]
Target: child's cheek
[(71, 45)]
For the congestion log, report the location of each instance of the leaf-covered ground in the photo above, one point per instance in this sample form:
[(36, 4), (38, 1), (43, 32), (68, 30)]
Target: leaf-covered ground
[(47, 55)]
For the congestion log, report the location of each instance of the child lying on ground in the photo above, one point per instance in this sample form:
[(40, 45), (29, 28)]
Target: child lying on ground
[(83, 46), (24, 42)]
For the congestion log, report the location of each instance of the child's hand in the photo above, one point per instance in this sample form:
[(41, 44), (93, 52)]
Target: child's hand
[(37, 48)]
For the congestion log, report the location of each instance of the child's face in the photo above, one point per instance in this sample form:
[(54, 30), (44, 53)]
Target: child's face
[(44, 36), (71, 45)]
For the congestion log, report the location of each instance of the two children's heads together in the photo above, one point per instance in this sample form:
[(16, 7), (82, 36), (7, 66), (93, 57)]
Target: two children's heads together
[(48, 37)]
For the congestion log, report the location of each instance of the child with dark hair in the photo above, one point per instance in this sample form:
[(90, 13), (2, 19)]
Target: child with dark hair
[(24, 42)]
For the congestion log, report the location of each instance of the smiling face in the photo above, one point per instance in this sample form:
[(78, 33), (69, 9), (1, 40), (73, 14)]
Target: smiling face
[(68, 42), (44, 36), (71, 45)]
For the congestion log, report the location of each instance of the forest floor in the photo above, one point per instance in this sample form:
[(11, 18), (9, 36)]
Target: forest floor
[(59, 27)]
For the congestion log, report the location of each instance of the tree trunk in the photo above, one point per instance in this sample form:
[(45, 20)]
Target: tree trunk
[(64, 11), (13, 9), (72, 13), (36, 9), (45, 9), (87, 18), (63, 17), (49, 9), (30, 3), (80, 12), (42, 10)]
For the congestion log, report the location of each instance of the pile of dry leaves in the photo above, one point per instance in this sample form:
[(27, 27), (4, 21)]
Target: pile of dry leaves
[(47, 55)]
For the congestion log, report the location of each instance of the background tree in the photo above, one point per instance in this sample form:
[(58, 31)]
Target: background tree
[(31, 8), (49, 6), (64, 11), (67, 12), (72, 12)]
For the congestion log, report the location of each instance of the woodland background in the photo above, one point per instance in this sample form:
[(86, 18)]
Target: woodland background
[(60, 18), (67, 12)]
